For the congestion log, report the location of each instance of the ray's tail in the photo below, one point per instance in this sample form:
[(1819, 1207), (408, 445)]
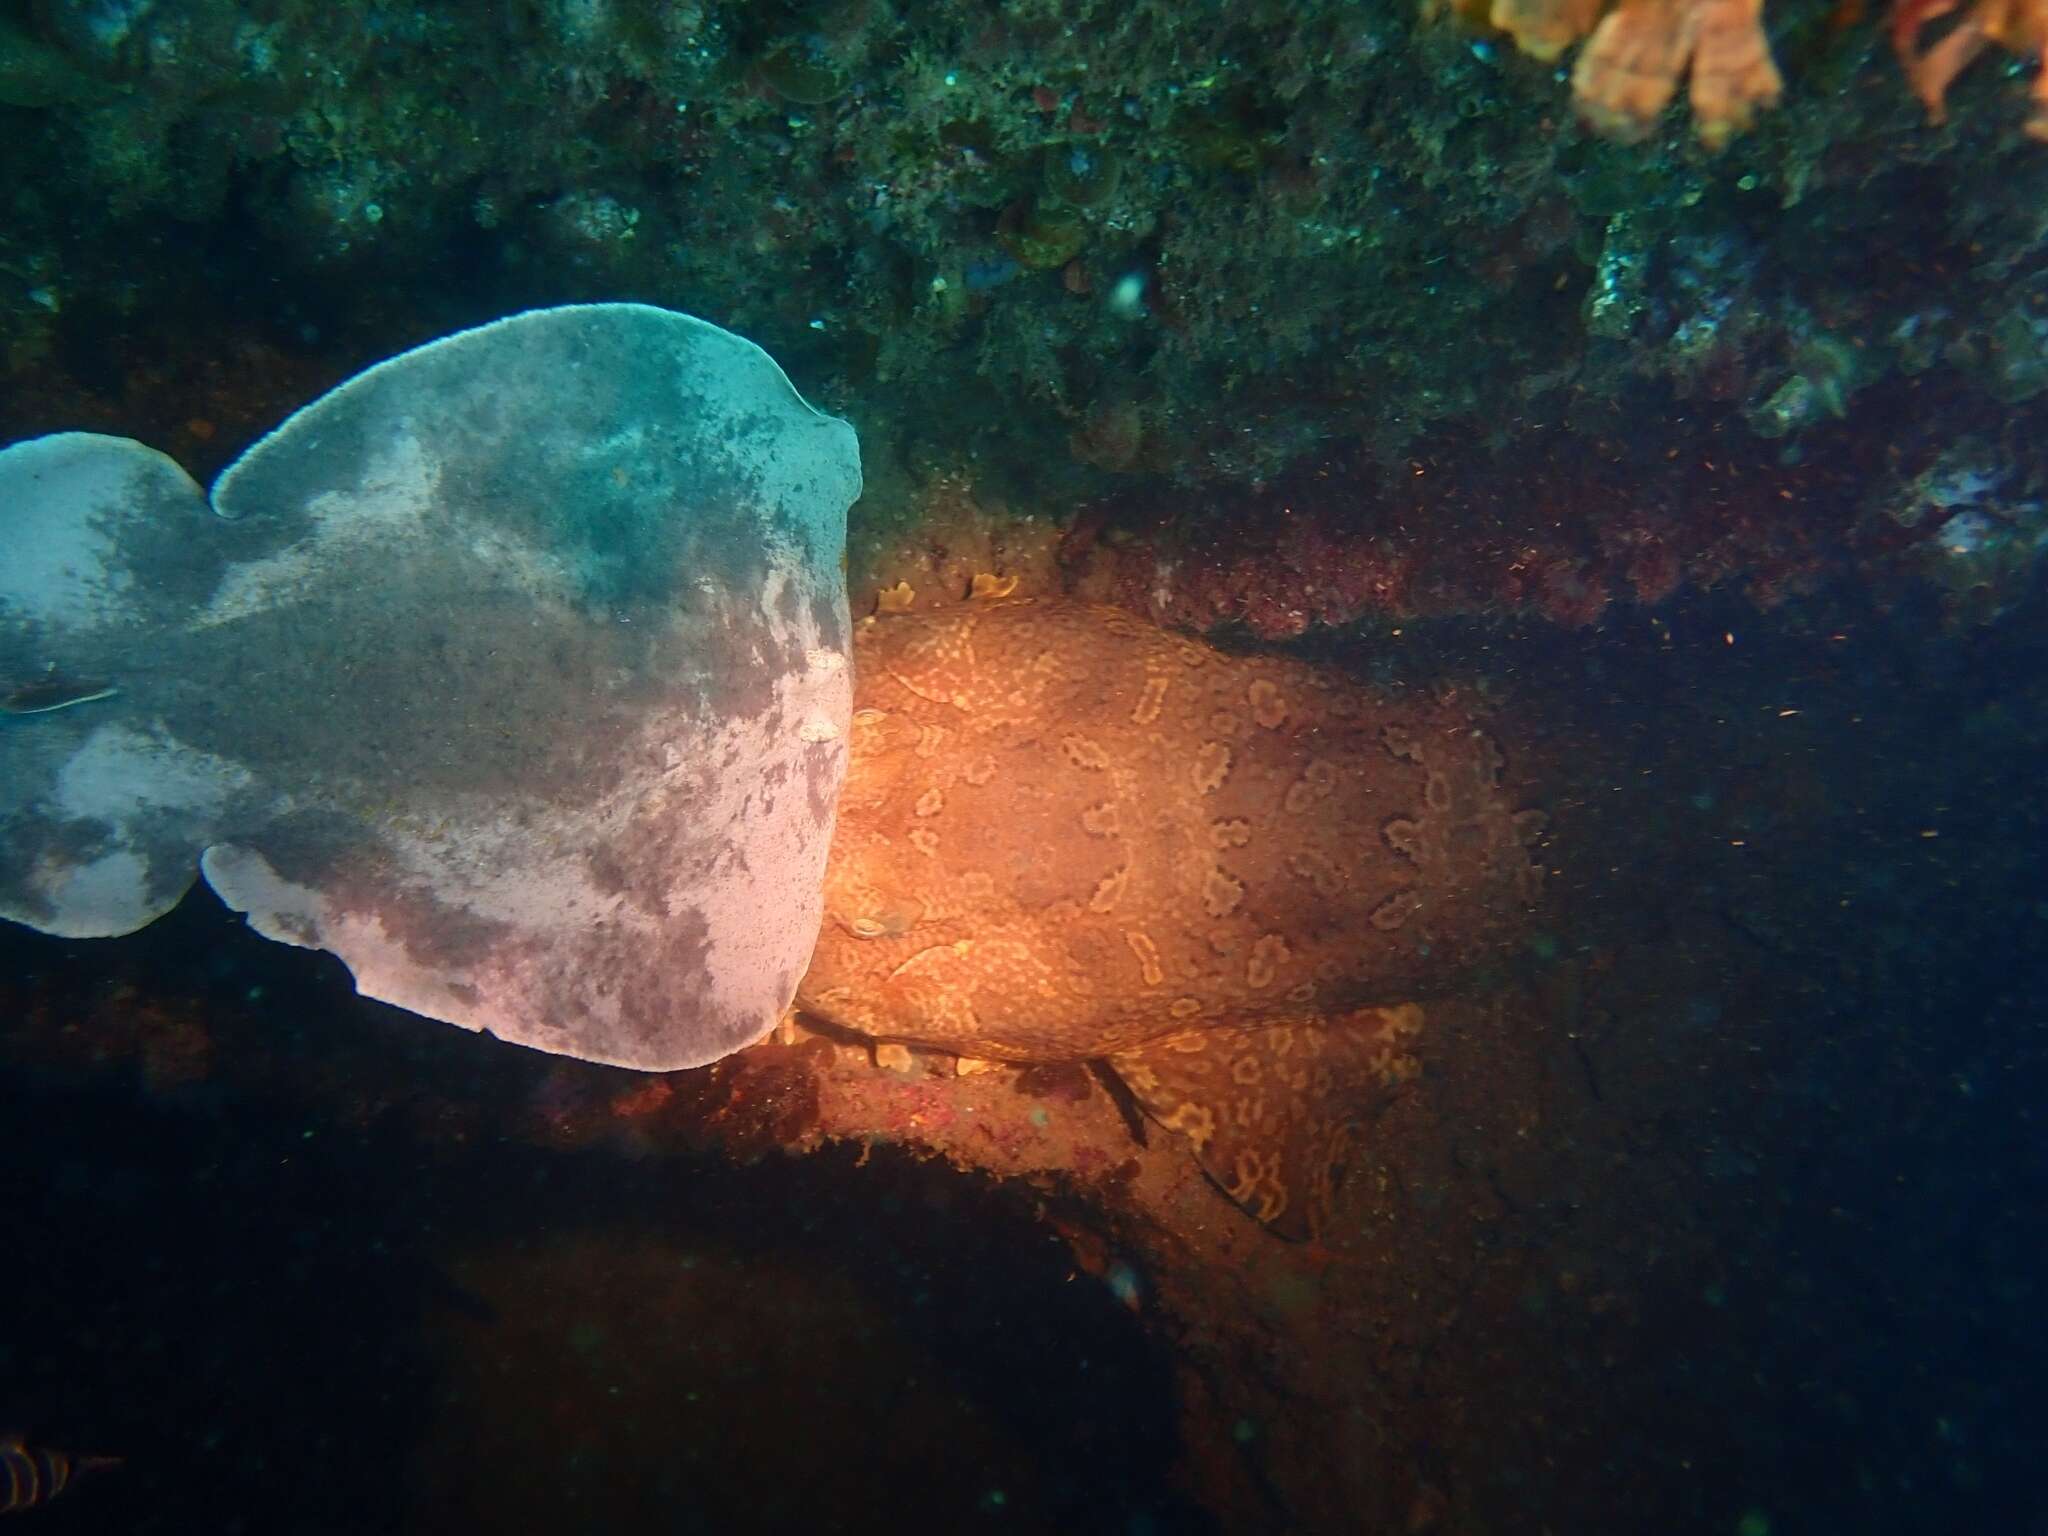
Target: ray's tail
[(33, 1475)]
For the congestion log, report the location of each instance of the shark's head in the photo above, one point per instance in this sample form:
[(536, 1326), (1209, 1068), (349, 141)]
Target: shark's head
[(514, 671)]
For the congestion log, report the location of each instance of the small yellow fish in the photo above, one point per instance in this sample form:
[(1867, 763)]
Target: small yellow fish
[(31, 1476), (48, 693)]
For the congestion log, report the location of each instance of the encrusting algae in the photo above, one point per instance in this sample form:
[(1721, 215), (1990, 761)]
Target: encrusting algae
[(1638, 50)]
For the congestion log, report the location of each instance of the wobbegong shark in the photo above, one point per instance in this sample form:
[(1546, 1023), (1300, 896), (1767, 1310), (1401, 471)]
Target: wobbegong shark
[(518, 672)]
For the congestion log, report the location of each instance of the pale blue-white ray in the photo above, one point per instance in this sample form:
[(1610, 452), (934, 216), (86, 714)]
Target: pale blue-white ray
[(514, 671)]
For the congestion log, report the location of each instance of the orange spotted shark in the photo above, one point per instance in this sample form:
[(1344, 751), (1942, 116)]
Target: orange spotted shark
[(1069, 835)]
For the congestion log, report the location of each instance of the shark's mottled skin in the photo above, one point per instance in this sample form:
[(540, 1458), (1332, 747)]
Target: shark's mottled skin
[(1067, 835)]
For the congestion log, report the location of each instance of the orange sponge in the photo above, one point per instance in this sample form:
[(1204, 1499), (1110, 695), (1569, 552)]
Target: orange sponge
[(1631, 67), (2019, 26)]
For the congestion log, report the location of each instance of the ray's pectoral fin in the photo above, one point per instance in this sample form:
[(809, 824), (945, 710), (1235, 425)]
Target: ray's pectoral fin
[(514, 671), (1270, 1107)]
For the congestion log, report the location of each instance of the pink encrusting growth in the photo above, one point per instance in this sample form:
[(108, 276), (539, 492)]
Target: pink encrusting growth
[(1564, 542)]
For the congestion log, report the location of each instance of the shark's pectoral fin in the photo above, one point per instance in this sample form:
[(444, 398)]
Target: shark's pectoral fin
[(1269, 1107)]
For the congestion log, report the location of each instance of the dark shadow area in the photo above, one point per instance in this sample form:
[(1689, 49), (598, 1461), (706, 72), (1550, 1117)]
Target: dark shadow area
[(297, 1314)]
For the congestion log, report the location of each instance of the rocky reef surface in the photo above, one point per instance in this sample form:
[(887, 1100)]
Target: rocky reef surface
[(1285, 315)]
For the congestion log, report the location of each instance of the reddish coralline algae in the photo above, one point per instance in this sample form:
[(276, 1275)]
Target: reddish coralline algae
[(1564, 541)]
